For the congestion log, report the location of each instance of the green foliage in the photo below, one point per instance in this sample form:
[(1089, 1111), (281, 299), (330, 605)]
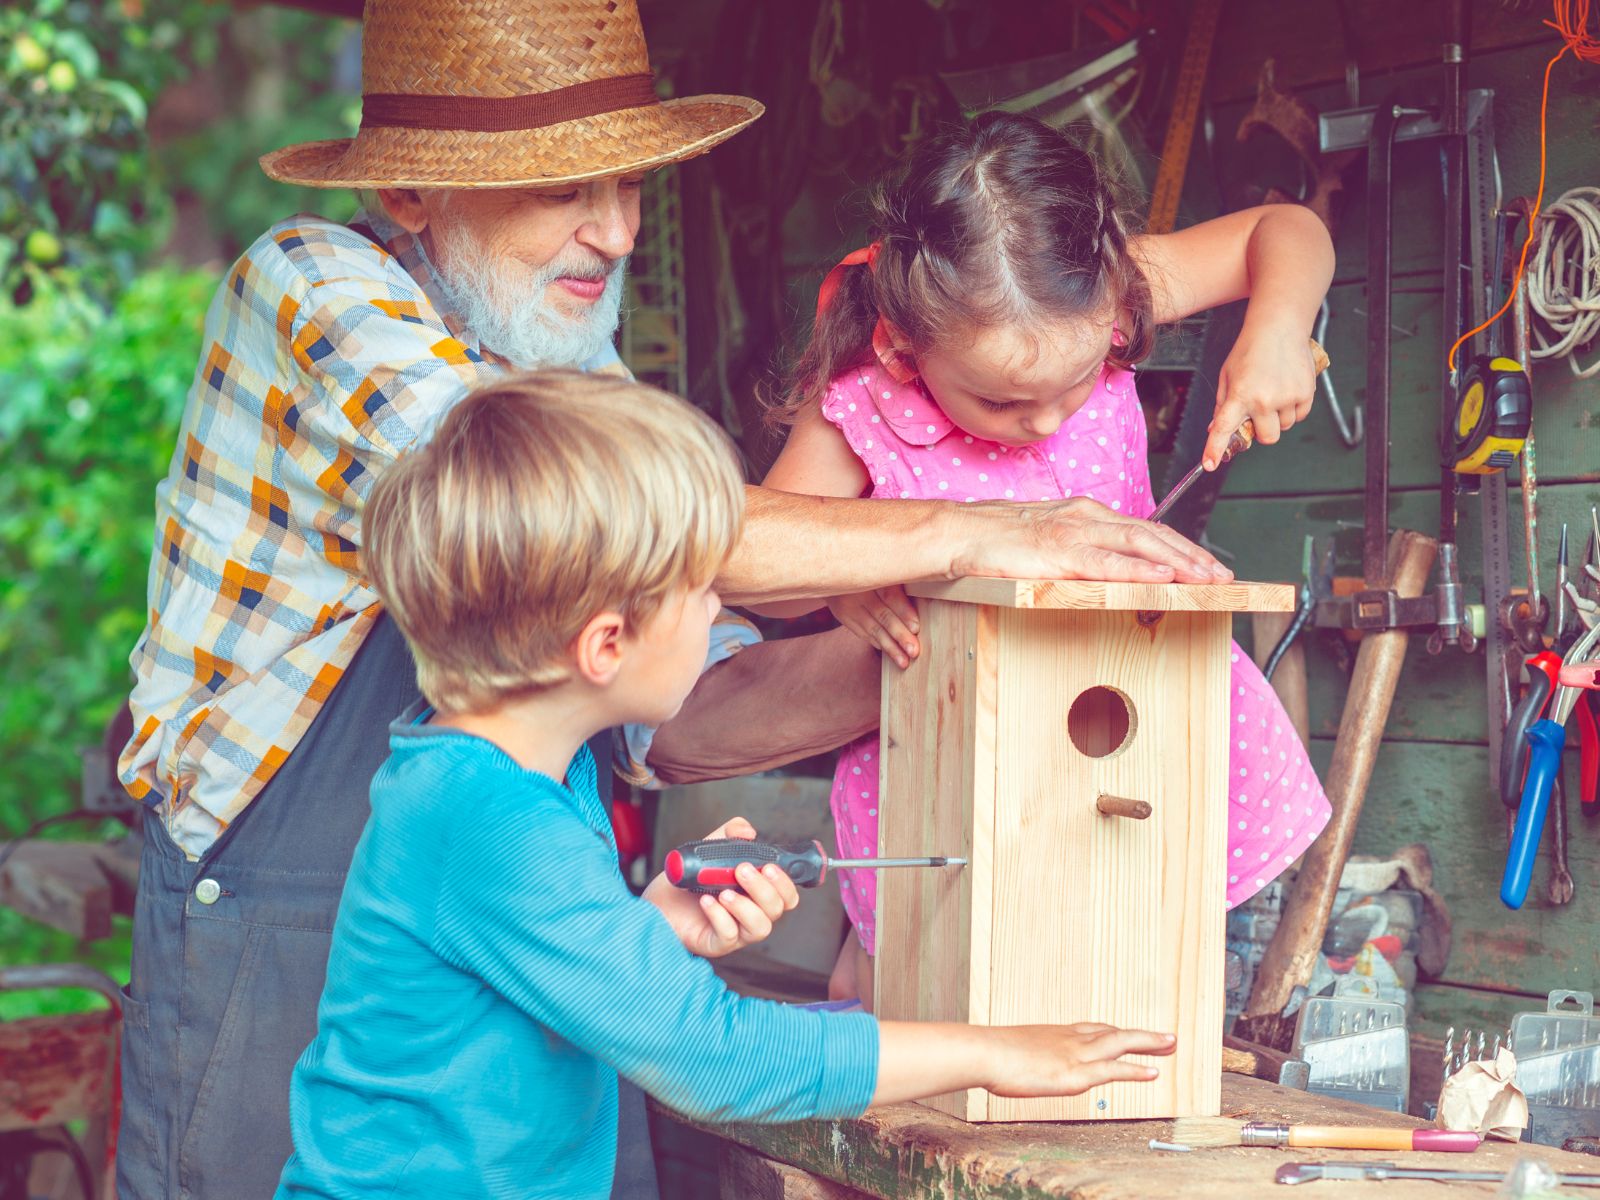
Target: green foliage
[(299, 74), (92, 404), (77, 201)]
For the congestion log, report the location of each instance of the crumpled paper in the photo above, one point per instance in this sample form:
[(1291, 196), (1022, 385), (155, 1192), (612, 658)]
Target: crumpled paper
[(1484, 1097)]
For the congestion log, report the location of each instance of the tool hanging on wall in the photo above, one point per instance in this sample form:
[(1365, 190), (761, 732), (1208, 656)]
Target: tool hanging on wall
[(1546, 739), (1494, 411), (1187, 93)]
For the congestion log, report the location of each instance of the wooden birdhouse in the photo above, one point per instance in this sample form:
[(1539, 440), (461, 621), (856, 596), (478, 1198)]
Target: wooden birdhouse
[(1070, 739)]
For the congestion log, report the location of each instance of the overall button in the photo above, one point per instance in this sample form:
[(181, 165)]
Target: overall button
[(207, 891)]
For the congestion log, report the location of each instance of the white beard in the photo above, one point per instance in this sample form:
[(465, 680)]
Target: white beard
[(507, 310)]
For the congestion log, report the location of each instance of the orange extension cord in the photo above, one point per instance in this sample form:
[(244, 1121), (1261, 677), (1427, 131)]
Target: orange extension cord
[(1572, 23)]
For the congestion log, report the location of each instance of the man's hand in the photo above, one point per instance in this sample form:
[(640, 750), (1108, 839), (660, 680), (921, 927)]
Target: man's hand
[(1078, 539), (885, 618), (712, 926), (1271, 378)]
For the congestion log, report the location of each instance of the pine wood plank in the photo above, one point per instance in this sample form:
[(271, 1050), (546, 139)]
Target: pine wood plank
[(1120, 597), (1131, 931), (744, 1175), (938, 749)]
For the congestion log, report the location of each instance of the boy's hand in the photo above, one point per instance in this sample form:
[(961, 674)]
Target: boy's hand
[(1064, 1060), (712, 926), (1270, 378), (885, 618)]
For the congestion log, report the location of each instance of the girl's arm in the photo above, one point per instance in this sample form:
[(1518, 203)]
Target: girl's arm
[(815, 461), (1281, 258)]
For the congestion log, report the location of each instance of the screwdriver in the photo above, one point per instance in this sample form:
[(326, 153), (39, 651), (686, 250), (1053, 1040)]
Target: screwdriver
[(1243, 438), (707, 867)]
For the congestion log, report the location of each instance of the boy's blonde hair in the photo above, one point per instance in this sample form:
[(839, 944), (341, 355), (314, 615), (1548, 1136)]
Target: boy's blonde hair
[(543, 499)]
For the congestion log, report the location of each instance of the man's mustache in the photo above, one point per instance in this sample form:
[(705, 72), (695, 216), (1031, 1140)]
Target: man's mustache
[(589, 271)]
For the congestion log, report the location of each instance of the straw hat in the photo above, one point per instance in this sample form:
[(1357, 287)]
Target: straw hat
[(508, 93)]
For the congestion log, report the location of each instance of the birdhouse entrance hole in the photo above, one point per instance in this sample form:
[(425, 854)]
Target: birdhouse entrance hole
[(1101, 722)]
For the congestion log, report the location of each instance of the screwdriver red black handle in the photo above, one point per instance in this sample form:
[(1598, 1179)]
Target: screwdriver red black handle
[(707, 867)]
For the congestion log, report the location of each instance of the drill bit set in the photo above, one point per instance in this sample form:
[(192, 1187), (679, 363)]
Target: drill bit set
[(1473, 1046), (1558, 1067), (1356, 1046)]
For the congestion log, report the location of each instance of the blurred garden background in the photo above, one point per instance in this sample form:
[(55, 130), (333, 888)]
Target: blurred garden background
[(127, 184)]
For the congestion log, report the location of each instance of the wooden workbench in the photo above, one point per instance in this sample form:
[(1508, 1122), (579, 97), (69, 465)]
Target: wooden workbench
[(907, 1152)]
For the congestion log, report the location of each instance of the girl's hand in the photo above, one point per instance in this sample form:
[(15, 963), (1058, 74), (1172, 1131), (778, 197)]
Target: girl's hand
[(1064, 1060), (1270, 378), (885, 618), (711, 926)]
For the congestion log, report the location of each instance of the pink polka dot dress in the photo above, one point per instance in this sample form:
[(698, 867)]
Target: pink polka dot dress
[(912, 451)]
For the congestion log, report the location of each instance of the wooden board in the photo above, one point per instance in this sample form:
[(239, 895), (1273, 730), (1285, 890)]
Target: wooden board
[(1121, 597), (1123, 921), (905, 1152), (1064, 914), (743, 1175), (938, 749)]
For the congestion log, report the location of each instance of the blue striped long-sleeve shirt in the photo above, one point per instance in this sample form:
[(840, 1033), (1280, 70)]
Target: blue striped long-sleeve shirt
[(489, 977)]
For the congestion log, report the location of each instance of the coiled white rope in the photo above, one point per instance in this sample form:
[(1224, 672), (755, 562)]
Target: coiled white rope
[(1564, 279)]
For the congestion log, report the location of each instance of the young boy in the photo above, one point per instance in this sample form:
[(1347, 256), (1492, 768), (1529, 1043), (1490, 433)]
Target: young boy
[(549, 557)]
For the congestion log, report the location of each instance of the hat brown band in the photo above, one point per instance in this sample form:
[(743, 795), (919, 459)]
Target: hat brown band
[(504, 114)]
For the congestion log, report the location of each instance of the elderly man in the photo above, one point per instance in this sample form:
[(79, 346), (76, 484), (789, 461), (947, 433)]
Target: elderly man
[(506, 143)]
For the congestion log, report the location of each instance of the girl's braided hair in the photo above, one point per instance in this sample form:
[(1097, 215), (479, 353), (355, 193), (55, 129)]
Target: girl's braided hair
[(1003, 220)]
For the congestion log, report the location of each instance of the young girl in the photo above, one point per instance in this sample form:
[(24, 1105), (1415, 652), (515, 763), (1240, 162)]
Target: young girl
[(981, 348)]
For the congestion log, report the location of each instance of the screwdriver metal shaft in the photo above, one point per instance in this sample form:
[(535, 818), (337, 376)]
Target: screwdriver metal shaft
[(939, 861), (1244, 437)]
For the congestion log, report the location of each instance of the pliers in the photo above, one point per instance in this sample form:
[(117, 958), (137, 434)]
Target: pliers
[(1545, 739)]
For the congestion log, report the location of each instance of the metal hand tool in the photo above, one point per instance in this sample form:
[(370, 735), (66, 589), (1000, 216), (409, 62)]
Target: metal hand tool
[(1543, 669), (1318, 586), (1243, 438), (1546, 739), (1560, 887), (708, 867), (1312, 1172)]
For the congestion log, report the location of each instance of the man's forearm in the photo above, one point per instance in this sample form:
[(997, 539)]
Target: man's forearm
[(813, 546), (770, 704), (797, 546)]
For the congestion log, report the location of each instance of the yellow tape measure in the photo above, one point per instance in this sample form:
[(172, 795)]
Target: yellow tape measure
[(1494, 411)]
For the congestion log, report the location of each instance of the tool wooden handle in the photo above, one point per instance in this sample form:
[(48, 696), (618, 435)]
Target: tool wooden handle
[(1332, 1137)]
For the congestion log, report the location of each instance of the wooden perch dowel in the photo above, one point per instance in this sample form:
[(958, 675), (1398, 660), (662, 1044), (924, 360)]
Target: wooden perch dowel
[(1120, 806)]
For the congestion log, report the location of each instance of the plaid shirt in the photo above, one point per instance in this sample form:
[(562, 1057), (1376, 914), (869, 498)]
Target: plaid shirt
[(328, 352)]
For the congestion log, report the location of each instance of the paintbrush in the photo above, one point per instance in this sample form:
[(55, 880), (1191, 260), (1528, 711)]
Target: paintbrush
[(1225, 1131)]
